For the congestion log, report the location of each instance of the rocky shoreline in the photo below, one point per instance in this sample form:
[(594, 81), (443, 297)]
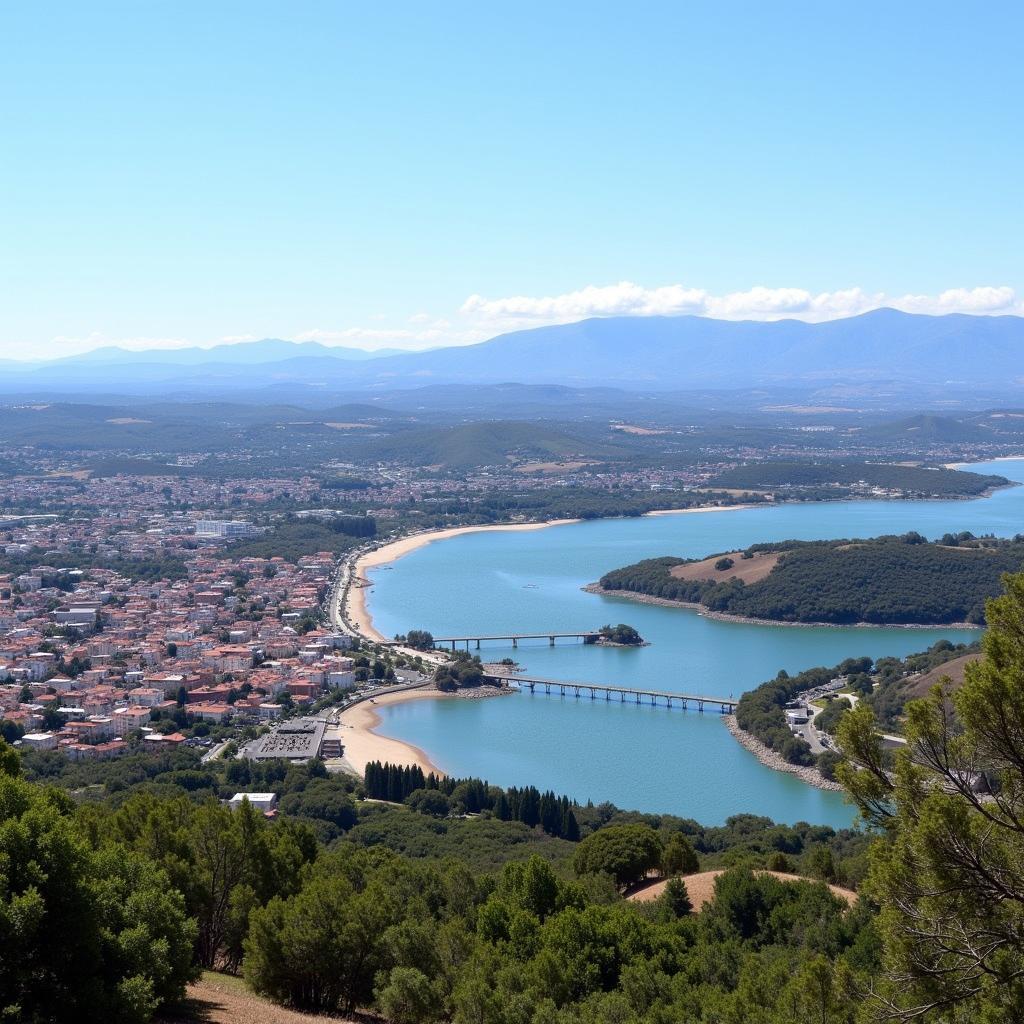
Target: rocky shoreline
[(472, 692), (664, 602), (770, 759)]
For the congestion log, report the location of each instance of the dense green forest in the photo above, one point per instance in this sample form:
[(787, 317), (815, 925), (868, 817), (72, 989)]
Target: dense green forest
[(902, 579), (123, 879), (576, 503), (436, 796), (933, 481), (340, 904)]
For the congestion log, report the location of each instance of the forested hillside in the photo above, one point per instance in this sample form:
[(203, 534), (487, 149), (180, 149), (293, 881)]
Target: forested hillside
[(931, 481), (416, 912), (123, 879), (885, 580)]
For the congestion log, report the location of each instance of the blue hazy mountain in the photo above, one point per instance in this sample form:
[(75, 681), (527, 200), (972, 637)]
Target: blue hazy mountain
[(688, 351), (884, 347), (268, 350)]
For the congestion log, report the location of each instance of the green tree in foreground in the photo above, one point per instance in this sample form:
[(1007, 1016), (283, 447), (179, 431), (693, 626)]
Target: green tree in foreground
[(86, 936), (626, 852), (10, 762), (949, 874), (678, 857), (676, 899)]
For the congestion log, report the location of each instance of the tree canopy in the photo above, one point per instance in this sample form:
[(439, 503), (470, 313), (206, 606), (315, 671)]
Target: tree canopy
[(949, 872), (884, 580)]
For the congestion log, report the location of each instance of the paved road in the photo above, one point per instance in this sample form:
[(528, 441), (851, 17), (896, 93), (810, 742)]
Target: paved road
[(214, 752)]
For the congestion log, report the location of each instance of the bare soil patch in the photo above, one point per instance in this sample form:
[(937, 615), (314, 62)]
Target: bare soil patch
[(953, 669), (749, 570), (223, 999), (628, 428), (701, 888)]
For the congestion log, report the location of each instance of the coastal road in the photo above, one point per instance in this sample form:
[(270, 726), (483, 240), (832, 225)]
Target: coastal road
[(347, 578)]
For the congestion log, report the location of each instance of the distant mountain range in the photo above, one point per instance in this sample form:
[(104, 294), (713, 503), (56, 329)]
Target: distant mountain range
[(877, 349), (247, 353)]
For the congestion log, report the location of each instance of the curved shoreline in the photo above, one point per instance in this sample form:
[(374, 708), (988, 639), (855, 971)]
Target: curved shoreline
[(371, 745), (358, 732), (358, 727), (692, 606), (770, 759), (355, 608)]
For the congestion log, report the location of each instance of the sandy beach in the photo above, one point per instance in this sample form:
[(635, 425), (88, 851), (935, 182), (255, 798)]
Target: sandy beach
[(975, 462), (706, 508), (396, 549), (363, 744), (356, 611)]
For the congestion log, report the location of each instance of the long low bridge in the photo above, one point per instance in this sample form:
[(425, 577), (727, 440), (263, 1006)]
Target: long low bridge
[(588, 636), (633, 694)]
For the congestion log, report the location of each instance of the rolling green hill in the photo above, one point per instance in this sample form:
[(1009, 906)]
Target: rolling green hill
[(492, 443)]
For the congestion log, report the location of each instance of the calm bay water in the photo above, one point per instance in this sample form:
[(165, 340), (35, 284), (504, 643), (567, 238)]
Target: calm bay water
[(651, 759)]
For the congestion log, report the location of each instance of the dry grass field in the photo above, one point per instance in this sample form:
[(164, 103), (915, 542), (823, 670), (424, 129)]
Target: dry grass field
[(749, 570), (701, 888), (953, 669), (224, 999)]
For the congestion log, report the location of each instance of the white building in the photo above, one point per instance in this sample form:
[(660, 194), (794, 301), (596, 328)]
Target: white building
[(262, 802), (39, 741), (224, 528)]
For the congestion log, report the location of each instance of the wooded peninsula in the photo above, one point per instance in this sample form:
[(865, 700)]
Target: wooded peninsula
[(890, 580)]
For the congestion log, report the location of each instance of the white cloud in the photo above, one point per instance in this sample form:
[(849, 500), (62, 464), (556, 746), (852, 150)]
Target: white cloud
[(759, 303), (622, 299), (962, 300)]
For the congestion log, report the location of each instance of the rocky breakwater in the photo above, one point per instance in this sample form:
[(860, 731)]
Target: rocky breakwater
[(770, 759)]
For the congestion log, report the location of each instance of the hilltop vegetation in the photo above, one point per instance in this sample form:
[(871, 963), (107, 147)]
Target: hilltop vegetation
[(885, 580), (493, 443), (123, 879), (478, 919), (920, 481)]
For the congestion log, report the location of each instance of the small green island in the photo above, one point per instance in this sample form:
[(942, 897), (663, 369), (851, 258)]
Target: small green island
[(621, 635), (891, 580)]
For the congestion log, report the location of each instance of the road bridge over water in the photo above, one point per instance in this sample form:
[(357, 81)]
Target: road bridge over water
[(625, 694), (587, 636)]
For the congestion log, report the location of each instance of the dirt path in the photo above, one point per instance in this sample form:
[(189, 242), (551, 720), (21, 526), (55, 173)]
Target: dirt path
[(222, 999), (701, 888)]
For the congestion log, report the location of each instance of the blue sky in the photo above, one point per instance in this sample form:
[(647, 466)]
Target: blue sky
[(191, 172)]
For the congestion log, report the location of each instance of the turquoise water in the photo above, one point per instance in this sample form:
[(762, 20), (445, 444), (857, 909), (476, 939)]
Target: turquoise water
[(651, 759)]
